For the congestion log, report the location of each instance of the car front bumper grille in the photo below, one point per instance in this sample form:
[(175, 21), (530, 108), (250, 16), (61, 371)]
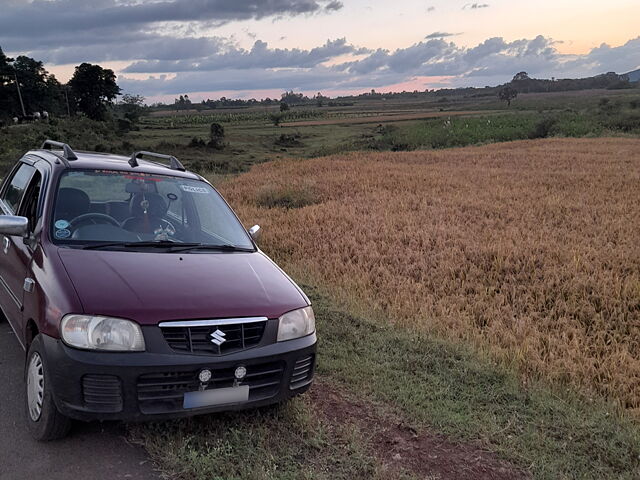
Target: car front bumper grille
[(164, 392), (206, 339), (102, 393)]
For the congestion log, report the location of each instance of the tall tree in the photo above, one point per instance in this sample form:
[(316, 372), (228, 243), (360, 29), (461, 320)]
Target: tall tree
[(7, 88), (40, 90), (132, 107), (507, 94), (92, 89)]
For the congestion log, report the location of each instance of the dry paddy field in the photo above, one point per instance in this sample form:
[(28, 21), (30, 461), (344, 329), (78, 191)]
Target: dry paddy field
[(529, 251)]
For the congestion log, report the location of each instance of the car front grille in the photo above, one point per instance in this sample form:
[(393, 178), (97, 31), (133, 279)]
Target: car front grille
[(102, 393), (302, 372), (163, 392), (200, 339)]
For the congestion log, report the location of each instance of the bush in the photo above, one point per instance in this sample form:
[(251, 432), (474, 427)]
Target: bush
[(197, 142), (216, 136), (288, 140), (624, 122), (276, 118), (124, 125), (544, 128)]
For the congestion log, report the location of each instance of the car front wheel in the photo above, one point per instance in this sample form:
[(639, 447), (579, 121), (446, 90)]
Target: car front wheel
[(45, 421)]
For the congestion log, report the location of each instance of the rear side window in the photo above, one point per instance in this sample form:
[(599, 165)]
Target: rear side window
[(15, 191)]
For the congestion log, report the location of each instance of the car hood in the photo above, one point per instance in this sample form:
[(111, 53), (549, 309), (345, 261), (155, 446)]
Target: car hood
[(153, 287)]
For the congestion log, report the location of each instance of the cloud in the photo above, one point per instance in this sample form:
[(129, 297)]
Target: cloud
[(440, 35), (333, 5), (490, 62), (475, 6), (54, 20), (260, 56), (139, 33), (431, 8)]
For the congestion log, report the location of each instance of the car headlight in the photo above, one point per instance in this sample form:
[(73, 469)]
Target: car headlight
[(102, 333), (296, 324)]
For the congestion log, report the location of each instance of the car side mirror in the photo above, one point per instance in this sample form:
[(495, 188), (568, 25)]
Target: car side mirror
[(255, 232), (14, 226)]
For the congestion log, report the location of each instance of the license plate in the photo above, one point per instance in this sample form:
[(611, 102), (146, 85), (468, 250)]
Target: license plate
[(216, 396)]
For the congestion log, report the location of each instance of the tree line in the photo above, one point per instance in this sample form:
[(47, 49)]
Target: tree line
[(27, 88)]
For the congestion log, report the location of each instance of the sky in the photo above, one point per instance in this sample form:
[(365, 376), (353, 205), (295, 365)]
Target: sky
[(257, 48)]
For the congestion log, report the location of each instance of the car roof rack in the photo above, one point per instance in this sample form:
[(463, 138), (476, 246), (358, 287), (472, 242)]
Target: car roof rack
[(174, 163), (67, 151)]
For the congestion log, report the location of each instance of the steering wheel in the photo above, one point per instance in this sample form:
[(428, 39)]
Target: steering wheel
[(94, 218)]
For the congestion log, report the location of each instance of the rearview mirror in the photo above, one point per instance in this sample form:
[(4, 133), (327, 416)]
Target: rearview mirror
[(255, 232), (10, 226)]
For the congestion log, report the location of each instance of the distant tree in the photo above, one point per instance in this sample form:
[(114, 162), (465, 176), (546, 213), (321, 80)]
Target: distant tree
[(292, 98), (276, 118), (92, 89), (216, 135), (7, 87), (132, 107), (40, 90), (284, 106), (183, 102), (520, 77), (319, 98), (507, 94)]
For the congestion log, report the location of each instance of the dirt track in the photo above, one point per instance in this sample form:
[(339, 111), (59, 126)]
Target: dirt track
[(400, 447)]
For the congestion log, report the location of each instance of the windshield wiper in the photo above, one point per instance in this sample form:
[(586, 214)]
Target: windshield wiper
[(203, 246), (157, 244)]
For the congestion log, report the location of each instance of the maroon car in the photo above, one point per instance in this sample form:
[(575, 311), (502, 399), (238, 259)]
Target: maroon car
[(138, 294)]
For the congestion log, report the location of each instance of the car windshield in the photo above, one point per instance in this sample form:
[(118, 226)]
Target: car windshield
[(121, 207)]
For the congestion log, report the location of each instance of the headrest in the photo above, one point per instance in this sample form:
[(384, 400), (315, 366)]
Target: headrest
[(71, 203)]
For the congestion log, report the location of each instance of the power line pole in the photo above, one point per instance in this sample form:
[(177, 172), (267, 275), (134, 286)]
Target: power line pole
[(66, 96), (24, 113)]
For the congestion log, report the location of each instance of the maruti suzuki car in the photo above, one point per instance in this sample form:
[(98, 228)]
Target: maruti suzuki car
[(138, 294)]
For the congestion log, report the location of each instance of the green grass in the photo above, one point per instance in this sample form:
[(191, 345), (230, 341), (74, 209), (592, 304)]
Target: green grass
[(446, 388), (464, 131), (286, 442)]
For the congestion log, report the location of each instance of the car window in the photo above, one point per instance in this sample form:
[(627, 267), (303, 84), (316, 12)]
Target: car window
[(213, 220), (89, 204), (16, 188), (29, 207)]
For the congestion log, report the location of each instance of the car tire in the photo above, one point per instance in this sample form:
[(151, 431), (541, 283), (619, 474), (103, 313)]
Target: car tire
[(45, 422)]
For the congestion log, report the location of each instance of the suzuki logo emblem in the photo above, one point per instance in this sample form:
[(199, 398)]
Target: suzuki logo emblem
[(217, 337)]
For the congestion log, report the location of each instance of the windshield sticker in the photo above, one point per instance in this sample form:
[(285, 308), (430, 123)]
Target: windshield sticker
[(61, 224), (144, 178), (63, 233), (190, 189)]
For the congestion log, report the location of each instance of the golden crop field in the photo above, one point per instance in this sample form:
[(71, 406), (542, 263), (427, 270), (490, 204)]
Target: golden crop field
[(530, 251)]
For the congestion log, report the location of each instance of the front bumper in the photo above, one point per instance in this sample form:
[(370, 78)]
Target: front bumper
[(150, 385)]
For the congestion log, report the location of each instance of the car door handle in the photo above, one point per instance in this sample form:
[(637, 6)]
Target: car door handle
[(5, 245)]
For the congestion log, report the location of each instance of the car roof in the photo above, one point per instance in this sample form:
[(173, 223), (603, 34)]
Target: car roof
[(108, 161)]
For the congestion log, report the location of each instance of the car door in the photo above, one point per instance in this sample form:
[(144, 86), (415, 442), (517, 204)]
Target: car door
[(14, 254)]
